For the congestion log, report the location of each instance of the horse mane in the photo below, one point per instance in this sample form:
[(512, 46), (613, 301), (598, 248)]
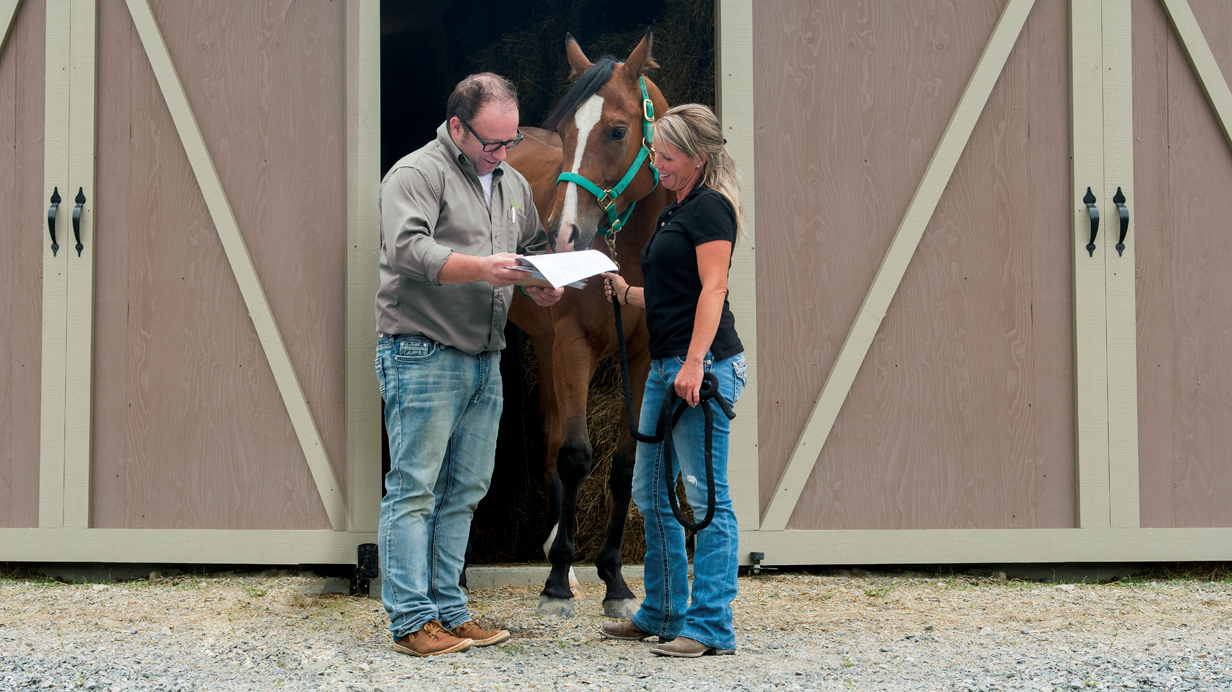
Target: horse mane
[(587, 85)]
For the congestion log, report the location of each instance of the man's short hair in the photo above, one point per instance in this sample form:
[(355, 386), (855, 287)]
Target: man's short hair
[(476, 91)]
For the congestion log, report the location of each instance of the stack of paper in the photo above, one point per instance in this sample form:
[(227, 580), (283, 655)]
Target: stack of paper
[(563, 269)]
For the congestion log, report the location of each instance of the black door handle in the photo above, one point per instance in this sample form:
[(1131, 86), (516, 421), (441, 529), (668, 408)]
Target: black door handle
[(1089, 198), (51, 219), (1119, 200), (80, 200)]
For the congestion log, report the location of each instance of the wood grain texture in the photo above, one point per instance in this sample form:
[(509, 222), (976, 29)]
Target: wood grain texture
[(974, 546), (363, 152), (53, 393), (184, 546), (190, 429), (23, 233), (962, 413), (1121, 334), (734, 99), (1182, 172)]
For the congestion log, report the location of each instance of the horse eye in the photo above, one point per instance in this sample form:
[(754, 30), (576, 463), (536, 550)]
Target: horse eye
[(617, 133)]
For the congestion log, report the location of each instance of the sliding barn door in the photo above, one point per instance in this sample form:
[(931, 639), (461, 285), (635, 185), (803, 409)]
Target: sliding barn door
[(936, 220), (24, 236), (220, 216), (1182, 158)]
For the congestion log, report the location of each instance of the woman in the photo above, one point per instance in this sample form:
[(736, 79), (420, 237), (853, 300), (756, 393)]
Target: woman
[(692, 331)]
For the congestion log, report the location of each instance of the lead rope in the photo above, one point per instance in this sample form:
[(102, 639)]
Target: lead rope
[(667, 422)]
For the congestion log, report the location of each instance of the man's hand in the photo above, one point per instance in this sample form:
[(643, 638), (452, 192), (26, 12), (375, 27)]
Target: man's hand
[(495, 269), (545, 297)]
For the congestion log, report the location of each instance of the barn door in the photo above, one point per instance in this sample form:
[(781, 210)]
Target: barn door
[(25, 257), (218, 334), (925, 152), (193, 342), (1010, 365), (1182, 158)]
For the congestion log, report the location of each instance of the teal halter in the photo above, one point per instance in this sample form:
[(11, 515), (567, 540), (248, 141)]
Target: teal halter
[(607, 198)]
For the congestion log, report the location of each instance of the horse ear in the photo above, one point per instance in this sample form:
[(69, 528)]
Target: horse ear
[(577, 59), (640, 60)]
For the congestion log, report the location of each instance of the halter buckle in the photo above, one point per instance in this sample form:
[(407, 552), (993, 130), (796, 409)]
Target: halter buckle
[(606, 202), (648, 110)]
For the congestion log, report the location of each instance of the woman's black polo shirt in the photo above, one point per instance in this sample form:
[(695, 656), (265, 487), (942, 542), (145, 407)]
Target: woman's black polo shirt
[(673, 285)]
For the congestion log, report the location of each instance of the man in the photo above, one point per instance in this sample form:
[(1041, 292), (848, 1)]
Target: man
[(452, 217)]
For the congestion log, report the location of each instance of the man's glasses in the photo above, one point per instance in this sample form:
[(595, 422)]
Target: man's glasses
[(491, 147)]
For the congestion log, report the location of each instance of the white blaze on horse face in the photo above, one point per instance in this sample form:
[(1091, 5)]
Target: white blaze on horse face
[(585, 119)]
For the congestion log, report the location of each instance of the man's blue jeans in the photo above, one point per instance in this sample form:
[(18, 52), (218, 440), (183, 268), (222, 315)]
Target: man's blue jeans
[(442, 412), (668, 610)]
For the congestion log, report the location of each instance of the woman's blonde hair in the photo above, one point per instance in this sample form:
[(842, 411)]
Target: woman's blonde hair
[(695, 130)]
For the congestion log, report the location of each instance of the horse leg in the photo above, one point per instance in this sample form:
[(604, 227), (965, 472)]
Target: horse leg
[(572, 369), (619, 602), (573, 465)]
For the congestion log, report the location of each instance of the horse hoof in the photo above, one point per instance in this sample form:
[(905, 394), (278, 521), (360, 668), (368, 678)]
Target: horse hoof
[(620, 608), (555, 606)]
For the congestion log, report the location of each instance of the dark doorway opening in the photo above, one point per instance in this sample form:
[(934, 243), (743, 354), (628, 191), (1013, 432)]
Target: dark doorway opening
[(426, 48)]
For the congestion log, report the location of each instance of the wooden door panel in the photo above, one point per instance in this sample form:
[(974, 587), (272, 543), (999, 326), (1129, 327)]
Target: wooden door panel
[(962, 414), (1182, 207), (23, 233), (190, 429)]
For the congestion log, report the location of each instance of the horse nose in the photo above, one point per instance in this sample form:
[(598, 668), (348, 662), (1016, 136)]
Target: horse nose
[(566, 236)]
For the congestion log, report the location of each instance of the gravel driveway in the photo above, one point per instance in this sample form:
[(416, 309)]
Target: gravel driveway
[(841, 630)]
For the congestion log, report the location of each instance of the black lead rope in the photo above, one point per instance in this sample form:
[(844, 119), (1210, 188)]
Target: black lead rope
[(667, 422)]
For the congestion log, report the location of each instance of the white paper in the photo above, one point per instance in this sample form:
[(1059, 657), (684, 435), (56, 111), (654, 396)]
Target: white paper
[(566, 268)]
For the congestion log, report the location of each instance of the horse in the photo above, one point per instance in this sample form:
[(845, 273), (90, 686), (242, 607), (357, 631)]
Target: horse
[(598, 133)]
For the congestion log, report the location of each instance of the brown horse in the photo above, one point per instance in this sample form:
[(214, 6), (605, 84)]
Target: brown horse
[(598, 136)]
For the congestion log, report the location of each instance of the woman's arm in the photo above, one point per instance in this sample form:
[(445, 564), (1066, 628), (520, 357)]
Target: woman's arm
[(713, 259), (616, 288)]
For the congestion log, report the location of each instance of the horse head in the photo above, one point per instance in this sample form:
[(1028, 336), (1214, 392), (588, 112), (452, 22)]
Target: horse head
[(604, 124)]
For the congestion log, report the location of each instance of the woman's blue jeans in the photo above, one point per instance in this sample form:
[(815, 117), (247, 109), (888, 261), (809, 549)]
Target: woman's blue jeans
[(442, 412), (668, 611)]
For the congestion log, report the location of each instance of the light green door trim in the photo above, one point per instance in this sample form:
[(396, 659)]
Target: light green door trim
[(975, 546), (8, 10), (363, 163), (734, 99), (185, 546), (55, 267), (902, 247), (1120, 308), (1090, 319), (79, 376), (241, 263), (1203, 61)]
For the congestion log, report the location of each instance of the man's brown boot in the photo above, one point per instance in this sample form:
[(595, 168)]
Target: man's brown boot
[(430, 640), (688, 648), (624, 630), (477, 634)]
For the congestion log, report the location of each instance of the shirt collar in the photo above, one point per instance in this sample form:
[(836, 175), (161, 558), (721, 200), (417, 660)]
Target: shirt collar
[(697, 190), (442, 135)]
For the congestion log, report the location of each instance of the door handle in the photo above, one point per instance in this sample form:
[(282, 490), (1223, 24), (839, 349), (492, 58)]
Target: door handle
[(51, 219), (1089, 198), (1119, 200), (80, 200)]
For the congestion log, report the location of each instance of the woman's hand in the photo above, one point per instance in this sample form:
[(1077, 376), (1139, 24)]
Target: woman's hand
[(689, 381), (614, 287)]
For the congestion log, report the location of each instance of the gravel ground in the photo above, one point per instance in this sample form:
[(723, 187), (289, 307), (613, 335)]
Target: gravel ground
[(843, 630)]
